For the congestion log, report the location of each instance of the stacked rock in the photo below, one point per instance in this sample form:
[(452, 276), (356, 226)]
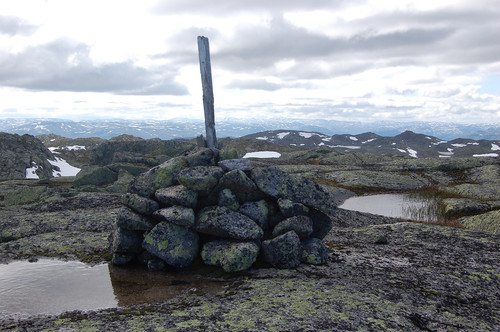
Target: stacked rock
[(227, 212)]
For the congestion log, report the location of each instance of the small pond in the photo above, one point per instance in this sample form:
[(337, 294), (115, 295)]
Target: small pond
[(406, 206), (52, 286)]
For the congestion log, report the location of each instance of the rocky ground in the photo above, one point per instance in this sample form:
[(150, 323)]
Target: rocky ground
[(382, 273)]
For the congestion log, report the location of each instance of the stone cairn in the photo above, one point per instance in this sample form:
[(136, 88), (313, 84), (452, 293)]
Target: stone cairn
[(227, 212)]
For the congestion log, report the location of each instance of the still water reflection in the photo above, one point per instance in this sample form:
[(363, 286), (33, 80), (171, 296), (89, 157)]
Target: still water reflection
[(407, 206), (52, 287)]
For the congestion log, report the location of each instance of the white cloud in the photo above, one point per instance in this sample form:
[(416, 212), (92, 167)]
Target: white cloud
[(364, 59)]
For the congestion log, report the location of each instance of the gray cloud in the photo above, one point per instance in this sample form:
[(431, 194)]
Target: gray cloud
[(11, 26), (254, 84), (63, 65), (223, 7)]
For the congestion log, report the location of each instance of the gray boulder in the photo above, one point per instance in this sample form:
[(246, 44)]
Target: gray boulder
[(314, 251), (225, 223), (126, 241), (283, 252), (301, 225), (228, 199), (177, 195), (133, 221), (241, 185), (235, 164), (203, 157), (257, 211), (158, 177), (322, 224), (289, 208), (140, 204), (178, 215), (229, 255), (176, 245), (279, 184), (201, 179)]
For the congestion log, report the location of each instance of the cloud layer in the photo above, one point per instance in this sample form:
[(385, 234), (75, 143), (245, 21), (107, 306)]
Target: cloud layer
[(325, 59)]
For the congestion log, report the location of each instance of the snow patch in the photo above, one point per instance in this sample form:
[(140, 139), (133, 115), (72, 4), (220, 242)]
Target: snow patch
[(486, 155), (31, 171), (352, 138), (412, 153), (262, 154), (66, 169), (283, 134), (307, 135), (262, 138), (345, 147), (459, 145), (440, 142), (368, 141), (495, 147)]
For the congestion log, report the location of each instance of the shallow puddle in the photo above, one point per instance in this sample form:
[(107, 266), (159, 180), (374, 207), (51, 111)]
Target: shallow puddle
[(406, 206), (53, 286)]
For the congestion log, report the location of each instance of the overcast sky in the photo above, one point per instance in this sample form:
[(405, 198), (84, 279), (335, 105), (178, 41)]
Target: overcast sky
[(403, 60)]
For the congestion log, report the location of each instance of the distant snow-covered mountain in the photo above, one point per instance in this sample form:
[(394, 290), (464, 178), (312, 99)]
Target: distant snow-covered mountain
[(184, 128), (407, 143)]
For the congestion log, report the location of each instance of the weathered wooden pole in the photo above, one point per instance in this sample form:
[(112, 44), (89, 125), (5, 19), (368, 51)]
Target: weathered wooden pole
[(208, 94)]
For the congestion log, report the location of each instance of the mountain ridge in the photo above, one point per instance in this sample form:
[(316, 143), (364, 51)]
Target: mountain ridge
[(228, 127)]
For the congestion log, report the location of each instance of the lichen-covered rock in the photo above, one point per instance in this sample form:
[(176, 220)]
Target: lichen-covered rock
[(126, 241), (279, 184), (128, 219), (257, 211), (314, 251), (301, 225), (201, 179), (289, 208), (235, 164), (140, 204), (225, 223), (284, 251), (203, 157), (178, 215), (241, 185), (161, 176), (486, 222), (95, 176), (228, 199), (177, 195), (176, 245), (229, 255)]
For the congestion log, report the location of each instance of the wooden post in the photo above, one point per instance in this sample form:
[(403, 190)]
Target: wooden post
[(208, 94)]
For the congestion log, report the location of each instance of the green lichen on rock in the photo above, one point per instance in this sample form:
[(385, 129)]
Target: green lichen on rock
[(176, 245), (229, 255), (486, 222)]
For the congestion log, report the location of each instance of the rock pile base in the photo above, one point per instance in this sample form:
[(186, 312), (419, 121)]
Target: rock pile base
[(226, 212)]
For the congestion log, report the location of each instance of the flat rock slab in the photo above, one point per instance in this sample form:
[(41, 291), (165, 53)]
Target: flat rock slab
[(176, 245), (225, 223)]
